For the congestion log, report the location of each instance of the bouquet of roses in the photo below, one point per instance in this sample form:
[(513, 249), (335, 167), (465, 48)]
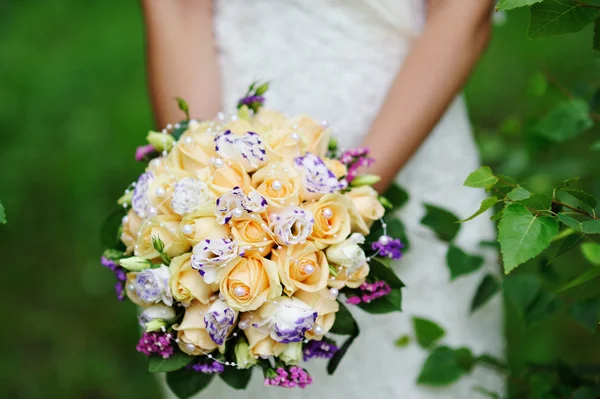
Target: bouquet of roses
[(238, 242)]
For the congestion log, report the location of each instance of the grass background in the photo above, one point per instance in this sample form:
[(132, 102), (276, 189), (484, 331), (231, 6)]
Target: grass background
[(73, 107)]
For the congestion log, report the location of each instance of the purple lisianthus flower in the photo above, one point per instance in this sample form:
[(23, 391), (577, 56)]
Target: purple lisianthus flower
[(290, 321), (218, 320), (236, 203), (292, 225), (152, 285), (209, 255), (139, 199), (248, 149), (318, 179)]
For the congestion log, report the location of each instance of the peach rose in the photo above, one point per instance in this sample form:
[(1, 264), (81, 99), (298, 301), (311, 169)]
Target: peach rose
[(202, 224), (332, 219), (193, 337), (366, 203), (349, 278), (267, 119), (313, 134), (186, 283), (301, 267), (131, 225), (192, 152), (228, 176), (326, 308), (252, 236), (165, 227), (248, 282), (336, 167), (279, 183)]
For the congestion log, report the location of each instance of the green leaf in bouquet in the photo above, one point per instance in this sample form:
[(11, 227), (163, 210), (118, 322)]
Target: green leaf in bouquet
[(2, 214), (427, 332), (460, 263), (557, 17), (344, 325), (523, 236), (334, 362), (487, 288), (176, 361), (441, 368), (505, 5), (381, 271), (485, 205), (402, 342), (110, 233), (186, 383), (442, 222), (236, 378), (587, 227), (518, 194), (566, 120), (589, 275), (179, 130), (395, 229), (183, 105), (396, 195), (389, 303), (113, 254), (481, 178), (591, 251), (586, 313), (582, 196)]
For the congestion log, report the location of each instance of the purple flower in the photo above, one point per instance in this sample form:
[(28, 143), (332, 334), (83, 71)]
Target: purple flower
[(355, 159), (251, 99), (369, 292), (139, 199), (120, 274), (211, 254), (152, 285), (248, 150), (142, 151), (235, 203), (293, 377), (213, 367), (319, 349), (218, 320), (155, 343), (318, 179), (388, 247), (292, 225)]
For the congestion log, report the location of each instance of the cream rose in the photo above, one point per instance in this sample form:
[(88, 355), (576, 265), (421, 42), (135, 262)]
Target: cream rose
[(279, 183), (348, 253), (259, 340), (192, 152), (366, 203), (326, 307), (165, 227), (131, 225), (252, 236), (332, 219), (202, 224), (193, 337), (313, 134), (267, 119), (349, 278), (228, 176), (301, 267), (248, 282), (186, 283), (336, 167)]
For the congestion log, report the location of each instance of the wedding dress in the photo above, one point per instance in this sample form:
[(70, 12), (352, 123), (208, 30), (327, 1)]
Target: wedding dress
[(335, 60)]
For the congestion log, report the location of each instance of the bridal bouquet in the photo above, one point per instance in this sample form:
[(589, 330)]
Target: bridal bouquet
[(239, 241)]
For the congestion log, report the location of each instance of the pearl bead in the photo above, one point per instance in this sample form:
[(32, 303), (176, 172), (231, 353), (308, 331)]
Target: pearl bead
[(130, 287), (217, 162), (190, 347), (155, 162), (239, 291), (221, 296), (295, 136), (169, 126), (384, 240), (188, 140), (324, 123), (160, 192), (334, 292), (237, 212), (318, 330), (220, 116), (125, 219), (309, 269), (276, 185), (327, 212), (243, 325), (187, 229)]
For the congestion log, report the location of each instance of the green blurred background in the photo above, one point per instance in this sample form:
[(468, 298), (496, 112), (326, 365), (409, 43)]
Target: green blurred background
[(73, 107)]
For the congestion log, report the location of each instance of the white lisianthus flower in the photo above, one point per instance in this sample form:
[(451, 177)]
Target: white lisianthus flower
[(348, 253), (247, 150), (210, 255), (139, 199), (292, 354), (235, 204), (287, 319), (152, 285), (189, 195), (218, 320), (318, 179), (156, 316), (292, 225)]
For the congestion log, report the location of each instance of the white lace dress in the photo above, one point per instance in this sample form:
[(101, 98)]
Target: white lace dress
[(335, 60)]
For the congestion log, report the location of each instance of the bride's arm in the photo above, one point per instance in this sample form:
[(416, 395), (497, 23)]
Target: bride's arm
[(456, 33), (181, 58)]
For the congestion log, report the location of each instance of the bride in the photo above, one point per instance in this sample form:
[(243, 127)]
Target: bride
[(384, 74)]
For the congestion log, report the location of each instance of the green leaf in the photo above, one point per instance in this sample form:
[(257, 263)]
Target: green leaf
[(2, 214), (157, 364), (498, 215), (566, 183), (556, 17), (586, 313), (591, 251), (391, 302), (538, 202), (337, 358), (485, 291), (397, 196), (427, 332), (481, 178), (178, 131), (186, 383), (582, 279), (522, 290), (518, 194), (442, 222), (236, 378), (441, 368), (596, 145), (582, 196), (402, 342), (566, 120), (485, 205), (344, 322), (567, 244), (381, 271), (505, 5), (523, 236), (589, 392), (538, 85), (461, 263), (546, 304), (491, 361), (396, 229), (183, 105), (587, 227), (465, 359)]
